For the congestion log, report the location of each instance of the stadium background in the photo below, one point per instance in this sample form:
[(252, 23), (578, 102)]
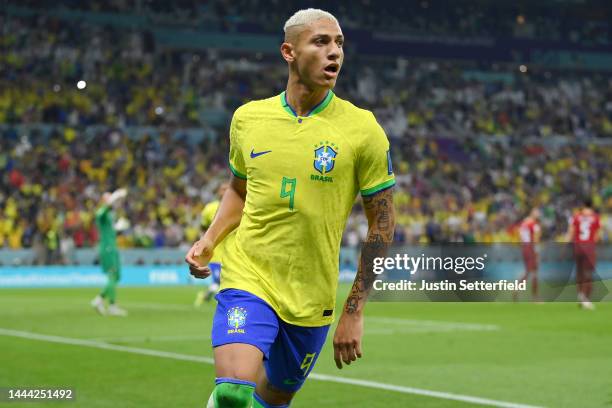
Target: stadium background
[(491, 108)]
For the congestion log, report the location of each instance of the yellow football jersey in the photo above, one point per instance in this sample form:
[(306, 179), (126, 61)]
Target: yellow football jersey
[(208, 213), (303, 174)]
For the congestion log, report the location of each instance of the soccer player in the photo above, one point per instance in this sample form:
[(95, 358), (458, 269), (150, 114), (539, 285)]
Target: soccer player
[(584, 233), (109, 255), (298, 160), (208, 214), (529, 234)]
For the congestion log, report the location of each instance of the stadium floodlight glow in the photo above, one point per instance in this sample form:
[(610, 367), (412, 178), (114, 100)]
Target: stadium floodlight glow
[(523, 68), (81, 84)]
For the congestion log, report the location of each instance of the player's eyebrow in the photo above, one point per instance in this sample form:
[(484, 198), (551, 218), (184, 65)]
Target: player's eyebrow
[(326, 37)]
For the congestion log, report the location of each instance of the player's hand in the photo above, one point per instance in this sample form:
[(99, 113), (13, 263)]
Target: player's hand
[(198, 257), (121, 192), (347, 339), (117, 195)]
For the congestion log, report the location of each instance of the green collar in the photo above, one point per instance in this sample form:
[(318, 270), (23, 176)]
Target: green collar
[(316, 109)]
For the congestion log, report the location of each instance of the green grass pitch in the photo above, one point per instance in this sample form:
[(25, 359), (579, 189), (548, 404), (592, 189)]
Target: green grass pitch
[(552, 355)]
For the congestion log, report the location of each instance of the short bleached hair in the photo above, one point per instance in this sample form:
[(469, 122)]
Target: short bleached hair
[(307, 16)]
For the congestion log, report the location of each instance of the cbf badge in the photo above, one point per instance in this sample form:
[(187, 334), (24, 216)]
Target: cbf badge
[(236, 318), (325, 157)]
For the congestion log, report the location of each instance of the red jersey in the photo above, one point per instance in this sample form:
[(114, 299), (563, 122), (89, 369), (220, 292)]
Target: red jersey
[(586, 227), (528, 230)]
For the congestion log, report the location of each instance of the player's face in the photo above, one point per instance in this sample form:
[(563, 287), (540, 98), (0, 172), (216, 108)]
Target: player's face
[(319, 54)]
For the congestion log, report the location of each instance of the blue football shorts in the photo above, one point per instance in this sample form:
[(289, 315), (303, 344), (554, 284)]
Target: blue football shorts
[(215, 272), (290, 352)]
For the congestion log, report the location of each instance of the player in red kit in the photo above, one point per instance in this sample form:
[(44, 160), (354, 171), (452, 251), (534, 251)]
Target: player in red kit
[(584, 233), (529, 234)]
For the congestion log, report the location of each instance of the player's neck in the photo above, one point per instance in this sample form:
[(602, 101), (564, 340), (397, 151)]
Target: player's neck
[(303, 99)]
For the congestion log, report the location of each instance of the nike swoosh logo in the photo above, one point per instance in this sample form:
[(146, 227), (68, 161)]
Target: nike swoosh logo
[(290, 382), (254, 155)]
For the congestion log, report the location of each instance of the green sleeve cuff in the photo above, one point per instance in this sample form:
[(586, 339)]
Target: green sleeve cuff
[(237, 173), (376, 189)]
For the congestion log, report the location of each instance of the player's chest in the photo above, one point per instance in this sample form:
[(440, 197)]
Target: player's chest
[(311, 150)]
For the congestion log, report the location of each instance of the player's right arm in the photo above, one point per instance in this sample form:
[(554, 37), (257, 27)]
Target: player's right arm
[(226, 220), (230, 210)]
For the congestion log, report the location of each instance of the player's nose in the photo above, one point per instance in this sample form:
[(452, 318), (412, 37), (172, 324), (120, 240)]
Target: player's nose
[(334, 52)]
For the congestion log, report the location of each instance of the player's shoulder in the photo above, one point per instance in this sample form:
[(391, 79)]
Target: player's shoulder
[(257, 108), (102, 210), (346, 109), (358, 122)]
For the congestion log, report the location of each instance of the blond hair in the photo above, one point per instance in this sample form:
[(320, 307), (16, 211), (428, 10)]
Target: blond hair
[(307, 16)]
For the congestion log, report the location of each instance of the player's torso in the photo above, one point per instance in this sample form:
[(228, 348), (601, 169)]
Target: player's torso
[(298, 167), (106, 231), (585, 227), (527, 231)]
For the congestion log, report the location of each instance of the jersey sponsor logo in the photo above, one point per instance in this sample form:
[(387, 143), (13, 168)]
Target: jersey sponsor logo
[(325, 157), (257, 154), (236, 318)]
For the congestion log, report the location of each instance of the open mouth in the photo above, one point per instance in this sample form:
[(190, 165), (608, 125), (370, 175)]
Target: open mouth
[(332, 69)]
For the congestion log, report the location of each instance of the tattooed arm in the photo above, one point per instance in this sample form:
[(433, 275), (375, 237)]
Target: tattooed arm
[(381, 225)]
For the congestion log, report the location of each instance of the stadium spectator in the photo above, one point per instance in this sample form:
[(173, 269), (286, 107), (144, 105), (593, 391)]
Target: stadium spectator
[(445, 123)]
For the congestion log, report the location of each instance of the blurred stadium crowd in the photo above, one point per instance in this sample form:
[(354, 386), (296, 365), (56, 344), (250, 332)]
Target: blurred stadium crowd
[(570, 20), (474, 147)]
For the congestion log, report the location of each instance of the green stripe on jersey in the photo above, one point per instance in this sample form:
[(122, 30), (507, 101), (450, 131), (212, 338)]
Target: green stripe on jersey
[(376, 189)]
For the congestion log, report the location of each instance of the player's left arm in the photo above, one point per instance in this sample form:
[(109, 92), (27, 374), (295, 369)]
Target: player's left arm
[(381, 226), (108, 200)]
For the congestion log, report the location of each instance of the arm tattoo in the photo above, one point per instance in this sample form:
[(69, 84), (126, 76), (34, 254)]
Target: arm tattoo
[(379, 209), (368, 202)]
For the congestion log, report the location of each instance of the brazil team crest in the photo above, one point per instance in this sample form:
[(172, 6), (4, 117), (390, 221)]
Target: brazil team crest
[(236, 318), (325, 157)]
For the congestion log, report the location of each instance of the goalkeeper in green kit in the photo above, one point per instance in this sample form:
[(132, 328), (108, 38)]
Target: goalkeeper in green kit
[(109, 254)]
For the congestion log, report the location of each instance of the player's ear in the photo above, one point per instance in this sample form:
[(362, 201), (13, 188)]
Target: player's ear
[(287, 51)]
